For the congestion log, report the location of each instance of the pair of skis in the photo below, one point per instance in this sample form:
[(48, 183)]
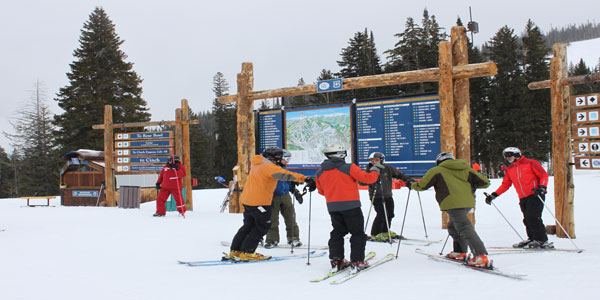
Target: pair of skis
[(493, 270), (369, 257), (229, 192), (282, 246), (207, 263)]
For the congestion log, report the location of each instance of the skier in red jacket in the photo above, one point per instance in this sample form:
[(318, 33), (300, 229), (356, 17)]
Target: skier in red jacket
[(530, 181), (337, 181), (170, 182)]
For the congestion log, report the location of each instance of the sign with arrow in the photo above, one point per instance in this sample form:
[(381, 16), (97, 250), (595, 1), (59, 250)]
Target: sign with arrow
[(587, 147), (586, 132), (585, 116), (587, 163), (585, 101)]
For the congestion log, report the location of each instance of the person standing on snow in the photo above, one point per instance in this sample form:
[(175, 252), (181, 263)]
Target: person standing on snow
[(381, 194), (337, 181), (170, 182), (282, 202), (530, 181), (455, 183), (256, 198)]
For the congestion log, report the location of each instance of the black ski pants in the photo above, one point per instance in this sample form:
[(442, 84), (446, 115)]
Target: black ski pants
[(532, 208), (344, 222), (257, 221), (379, 223)]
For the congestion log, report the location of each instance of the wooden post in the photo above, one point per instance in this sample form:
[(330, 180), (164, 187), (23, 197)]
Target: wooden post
[(462, 102), (245, 131), (178, 142), (109, 172), (187, 180), (561, 141), (446, 93)]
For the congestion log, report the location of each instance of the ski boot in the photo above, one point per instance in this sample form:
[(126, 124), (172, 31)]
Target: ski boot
[(233, 255), (270, 245), (158, 215), (295, 243), (540, 245), (338, 264), (480, 261), (522, 244), (357, 266), (244, 256), (457, 256)]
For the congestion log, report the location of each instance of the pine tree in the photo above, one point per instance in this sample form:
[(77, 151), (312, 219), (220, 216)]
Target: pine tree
[(226, 129), (506, 93), (360, 58), (33, 142), (536, 108), (6, 175), (202, 145), (582, 69), (99, 76)]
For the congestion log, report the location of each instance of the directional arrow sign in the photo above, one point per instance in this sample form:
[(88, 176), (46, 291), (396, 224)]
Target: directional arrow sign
[(586, 132), (584, 101), (585, 116), (587, 162), (583, 147)]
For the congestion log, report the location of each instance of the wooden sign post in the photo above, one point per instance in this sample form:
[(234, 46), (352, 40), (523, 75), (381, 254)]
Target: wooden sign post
[(152, 149), (452, 75), (559, 85)]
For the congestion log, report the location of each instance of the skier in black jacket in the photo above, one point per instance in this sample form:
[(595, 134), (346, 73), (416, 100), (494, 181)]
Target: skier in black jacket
[(383, 196)]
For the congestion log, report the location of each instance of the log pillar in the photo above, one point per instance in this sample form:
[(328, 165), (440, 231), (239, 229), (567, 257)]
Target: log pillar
[(245, 132), (462, 101), (561, 141), (109, 171), (185, 131)]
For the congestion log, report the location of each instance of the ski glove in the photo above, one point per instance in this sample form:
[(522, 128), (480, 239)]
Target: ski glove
[(541, 190), (377, 167), (311, 184), (158, 186), (298, 196), (409, 183), (489, 198)]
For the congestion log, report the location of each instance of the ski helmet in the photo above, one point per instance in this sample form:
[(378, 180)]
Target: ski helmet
[(442, 157), (337, 151), (511, 151), (287, 155), (377, 155), (273, 153), (174, 158)]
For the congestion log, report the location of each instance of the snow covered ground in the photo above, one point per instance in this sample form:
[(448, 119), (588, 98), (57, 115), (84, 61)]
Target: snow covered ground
[(111, 253), (586, 50)]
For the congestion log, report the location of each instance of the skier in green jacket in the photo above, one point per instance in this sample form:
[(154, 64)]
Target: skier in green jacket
[(455, 183)]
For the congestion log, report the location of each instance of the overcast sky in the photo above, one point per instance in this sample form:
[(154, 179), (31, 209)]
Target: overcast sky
[(178, 46)]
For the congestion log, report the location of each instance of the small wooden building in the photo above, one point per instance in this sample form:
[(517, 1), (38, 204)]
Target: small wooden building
[(82, 177)]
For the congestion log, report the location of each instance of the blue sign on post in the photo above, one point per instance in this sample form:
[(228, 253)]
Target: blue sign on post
[(330, 85)]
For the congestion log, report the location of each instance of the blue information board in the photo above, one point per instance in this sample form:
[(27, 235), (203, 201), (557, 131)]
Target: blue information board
[(270, 129), (405, 130)]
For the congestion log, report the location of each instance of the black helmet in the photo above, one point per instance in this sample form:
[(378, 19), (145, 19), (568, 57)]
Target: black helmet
[(377, 155), (442, 157), (174, 158), (273, 153)]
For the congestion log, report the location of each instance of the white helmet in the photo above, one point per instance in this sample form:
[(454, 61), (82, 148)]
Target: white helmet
[(443, 156), (511, 151), (336, 151)]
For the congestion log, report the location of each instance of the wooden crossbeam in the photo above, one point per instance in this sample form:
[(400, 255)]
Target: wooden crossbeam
[(425, 75), (143, 124), (594, 77)]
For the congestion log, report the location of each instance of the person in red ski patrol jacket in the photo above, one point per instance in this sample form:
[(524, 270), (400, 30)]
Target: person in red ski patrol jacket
[(530, 180), (338, 182), (170, 182)]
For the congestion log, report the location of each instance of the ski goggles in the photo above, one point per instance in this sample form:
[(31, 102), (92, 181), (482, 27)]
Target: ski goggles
[(509, 154)]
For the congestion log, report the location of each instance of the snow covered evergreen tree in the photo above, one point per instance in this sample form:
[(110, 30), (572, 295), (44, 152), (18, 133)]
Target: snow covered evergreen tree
[(226, 128)]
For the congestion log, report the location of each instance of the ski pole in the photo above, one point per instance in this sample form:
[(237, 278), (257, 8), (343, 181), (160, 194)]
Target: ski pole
[(293, 209), (309, 219), (422, 215), (403, 220), (387, 223), (557, 222), (444, 246), (370, 208), (513, 228)]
